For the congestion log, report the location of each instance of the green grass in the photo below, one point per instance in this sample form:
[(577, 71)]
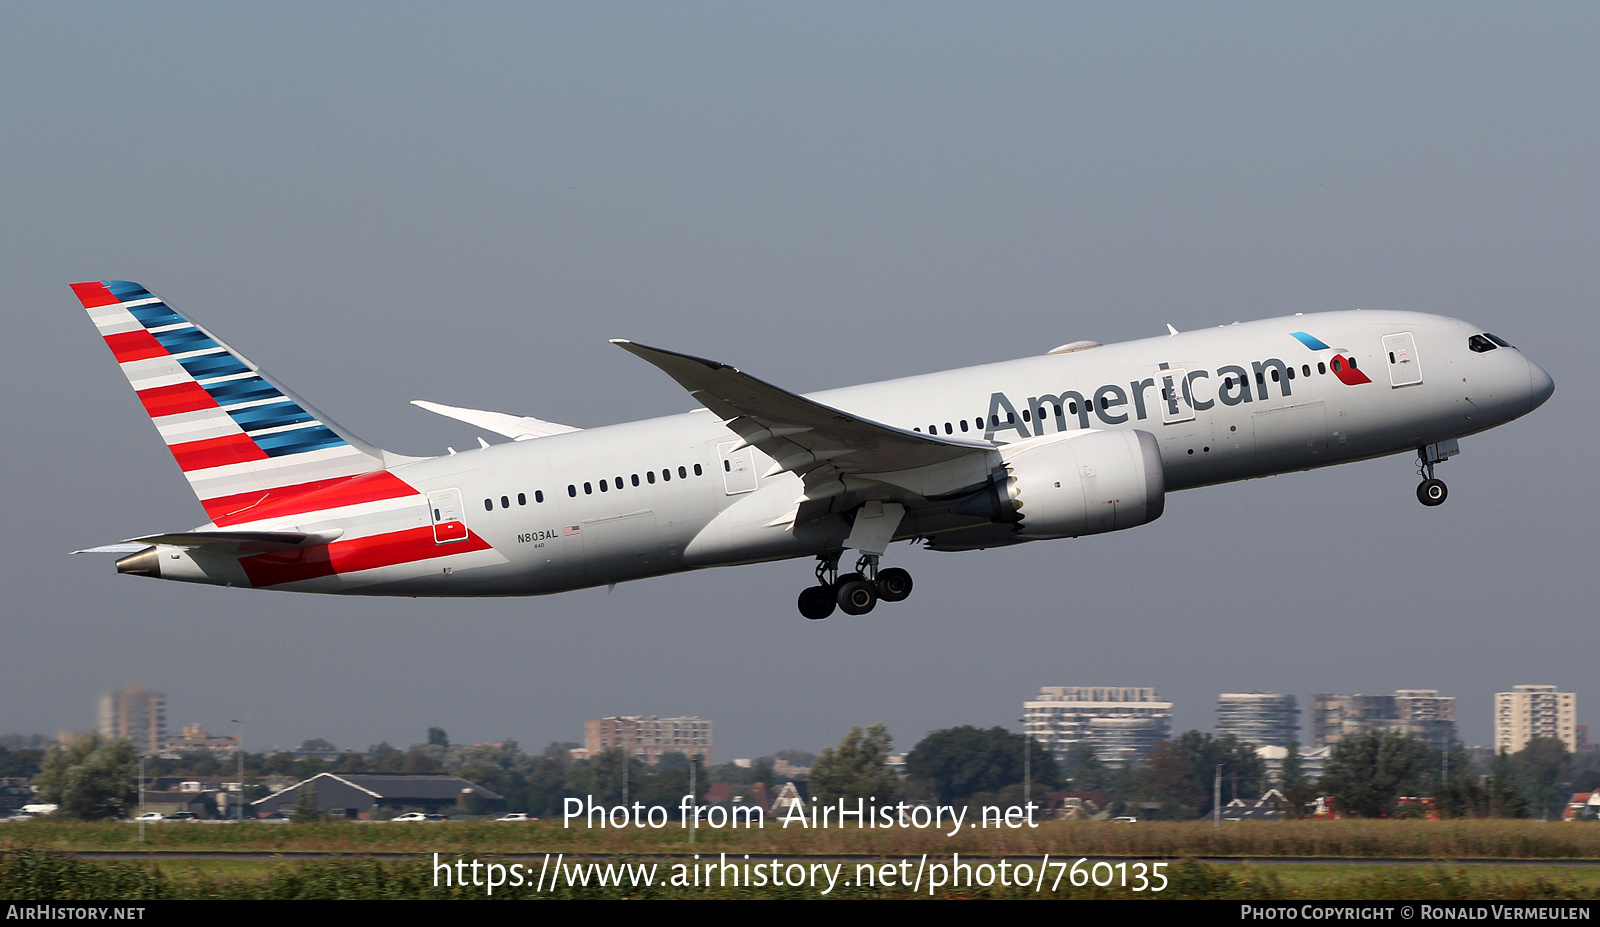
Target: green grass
[(1441, 840)]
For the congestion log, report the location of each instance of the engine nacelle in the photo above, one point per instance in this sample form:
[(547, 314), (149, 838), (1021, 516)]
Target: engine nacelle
[(1075, 483)]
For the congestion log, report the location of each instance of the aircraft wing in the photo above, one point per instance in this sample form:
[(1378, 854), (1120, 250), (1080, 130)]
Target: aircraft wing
[(835, 453), (516, 427)]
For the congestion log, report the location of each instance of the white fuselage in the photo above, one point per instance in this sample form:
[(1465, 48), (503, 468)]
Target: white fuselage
[(663, 495)]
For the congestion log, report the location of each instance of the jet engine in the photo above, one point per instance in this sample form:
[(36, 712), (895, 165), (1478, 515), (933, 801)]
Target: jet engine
[(1074, 483)]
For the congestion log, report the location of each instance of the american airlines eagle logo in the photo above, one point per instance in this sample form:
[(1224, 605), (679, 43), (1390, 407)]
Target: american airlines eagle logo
[(1343, 367)]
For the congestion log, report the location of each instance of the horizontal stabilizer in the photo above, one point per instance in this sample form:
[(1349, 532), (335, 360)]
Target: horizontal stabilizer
[(517, 427), (240, 542), (124, 548)]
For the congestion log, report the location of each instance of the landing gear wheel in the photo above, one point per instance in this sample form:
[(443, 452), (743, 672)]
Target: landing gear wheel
[(1432, 492), (894, 584), (816, 602), (848, 578), (856, 597)]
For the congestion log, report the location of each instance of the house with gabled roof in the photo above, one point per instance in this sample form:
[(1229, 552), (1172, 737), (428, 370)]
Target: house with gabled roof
[(368, 796)]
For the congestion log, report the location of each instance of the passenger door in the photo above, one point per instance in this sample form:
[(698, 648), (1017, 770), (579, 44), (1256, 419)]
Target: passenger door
[(445, 507), (1400, 349)]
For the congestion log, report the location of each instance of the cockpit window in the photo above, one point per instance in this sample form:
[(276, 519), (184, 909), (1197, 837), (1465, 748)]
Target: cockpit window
[(1496, 339), (1480, 344)]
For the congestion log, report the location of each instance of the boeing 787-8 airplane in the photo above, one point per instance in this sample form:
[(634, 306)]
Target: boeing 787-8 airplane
[(1084, 439)]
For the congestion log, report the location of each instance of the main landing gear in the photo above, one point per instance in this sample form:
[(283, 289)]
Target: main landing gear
[(1431, 491), (852, 593)]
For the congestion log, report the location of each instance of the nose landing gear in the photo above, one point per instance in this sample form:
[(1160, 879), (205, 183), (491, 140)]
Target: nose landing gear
[(853, 593), (1431, 491)]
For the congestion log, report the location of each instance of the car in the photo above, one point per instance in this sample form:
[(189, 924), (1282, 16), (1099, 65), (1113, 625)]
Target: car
[(1125, 819), (151, 816), (417, 817), (183, 816), (517, 816)]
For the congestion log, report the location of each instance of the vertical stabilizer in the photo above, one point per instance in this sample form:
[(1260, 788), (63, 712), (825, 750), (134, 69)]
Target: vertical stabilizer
[(241, 439)]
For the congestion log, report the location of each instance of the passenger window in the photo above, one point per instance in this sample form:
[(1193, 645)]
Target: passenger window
[(1352, 362), (602, 485), (1336, 367), (1305, 369), (505, 503), (698, 471), (522, 498), (963, 424), (1274, 374), (572, 490), (666, 476), (588, 490), (948, 430), (619, 482), (538, 495), (683, 474), (488, 505), (1321, 368), (727, 466), (649, 476), (1025, 417), (636, 479)]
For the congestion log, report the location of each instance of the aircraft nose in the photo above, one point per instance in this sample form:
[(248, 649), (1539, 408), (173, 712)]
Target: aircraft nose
[(1540, 385)]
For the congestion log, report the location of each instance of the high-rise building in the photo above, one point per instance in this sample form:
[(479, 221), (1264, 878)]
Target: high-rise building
[(1428, 715), (1265, 719), (1527, 712), (1423, 713), (649, 738), (1121, 723), (139, 715)]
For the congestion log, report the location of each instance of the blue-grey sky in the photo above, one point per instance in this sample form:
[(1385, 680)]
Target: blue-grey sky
[(385, 202)]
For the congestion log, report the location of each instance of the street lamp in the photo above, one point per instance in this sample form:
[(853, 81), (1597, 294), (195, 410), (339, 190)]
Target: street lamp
[(1027, 765), (239, 754)]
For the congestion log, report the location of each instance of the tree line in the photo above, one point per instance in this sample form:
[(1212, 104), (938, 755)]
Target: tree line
[(1382, 774)]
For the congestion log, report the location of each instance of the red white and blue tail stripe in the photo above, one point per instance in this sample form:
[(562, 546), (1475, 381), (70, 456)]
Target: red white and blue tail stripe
[(243, 442)]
